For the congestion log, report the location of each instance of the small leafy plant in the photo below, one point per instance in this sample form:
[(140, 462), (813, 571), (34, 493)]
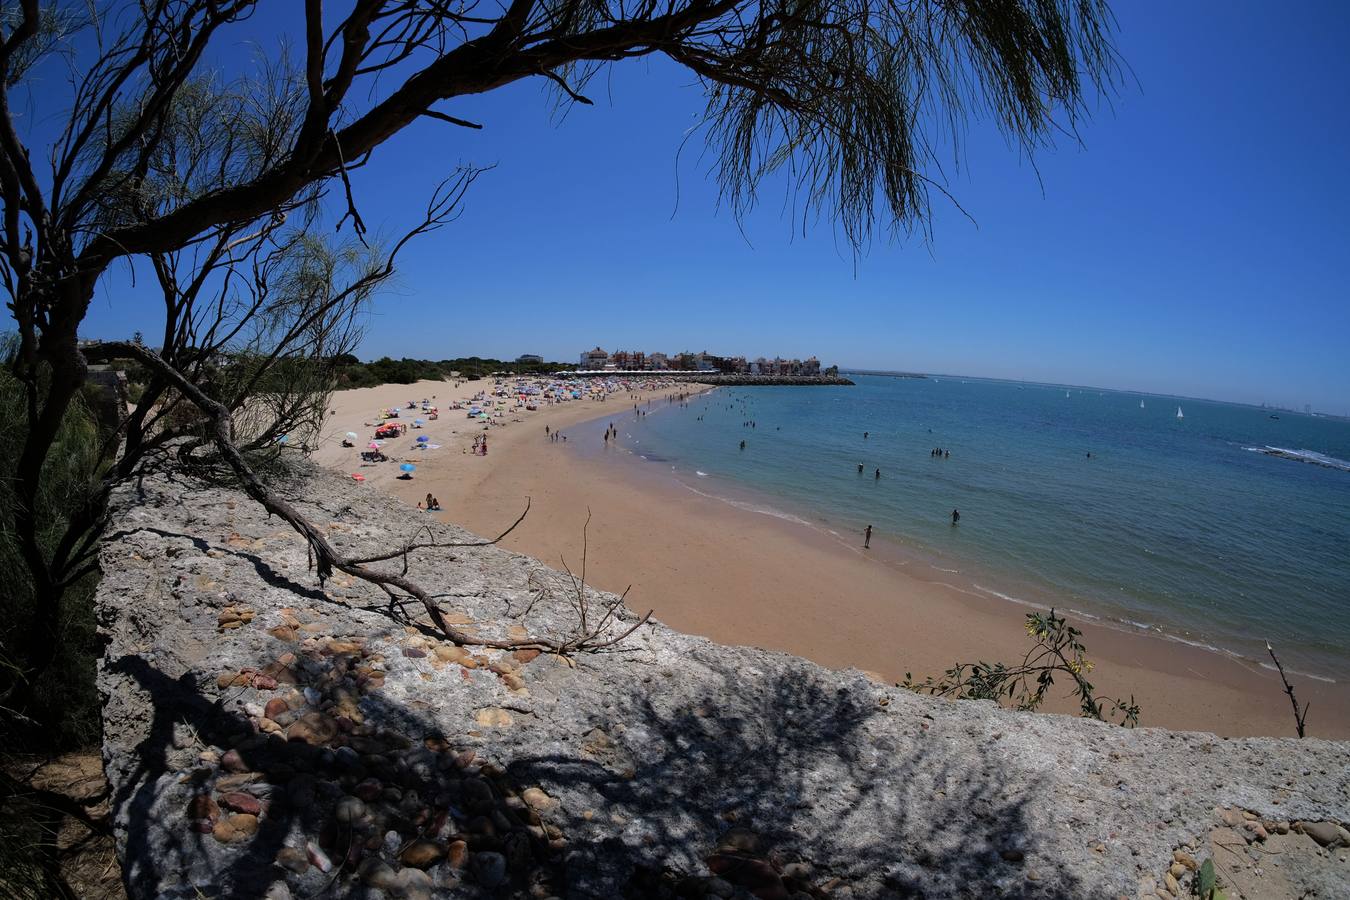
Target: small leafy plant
[(1207, 883), (1056, 650)]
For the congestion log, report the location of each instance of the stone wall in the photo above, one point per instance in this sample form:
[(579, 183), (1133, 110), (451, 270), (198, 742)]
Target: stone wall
[(269, 737)]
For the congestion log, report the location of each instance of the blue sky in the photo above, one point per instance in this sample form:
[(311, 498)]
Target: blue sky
[(1196, 243)]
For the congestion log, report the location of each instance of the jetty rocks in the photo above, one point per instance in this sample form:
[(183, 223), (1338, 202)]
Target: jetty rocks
[(269, 737)]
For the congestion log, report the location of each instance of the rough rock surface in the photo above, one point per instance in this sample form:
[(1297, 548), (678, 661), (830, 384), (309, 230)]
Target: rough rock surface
[(266, 737)]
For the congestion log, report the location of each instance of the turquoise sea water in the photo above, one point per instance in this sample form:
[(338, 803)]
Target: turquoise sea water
[(1180, 525)]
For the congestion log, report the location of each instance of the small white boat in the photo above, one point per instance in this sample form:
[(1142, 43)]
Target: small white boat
[(1066, 395), (1141, 404), (1179, 415)]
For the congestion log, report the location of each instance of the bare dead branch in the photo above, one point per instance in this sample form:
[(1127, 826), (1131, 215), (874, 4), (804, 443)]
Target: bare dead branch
[(325, 557), (463, 123), (1300, 718), (439, 545)]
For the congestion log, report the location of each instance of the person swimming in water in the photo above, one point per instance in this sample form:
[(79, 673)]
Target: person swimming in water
[(742, 445), (956, 516), (878, 475), (860, 468)]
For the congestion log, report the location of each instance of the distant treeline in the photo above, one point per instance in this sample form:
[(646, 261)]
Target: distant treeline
[(352, 373)]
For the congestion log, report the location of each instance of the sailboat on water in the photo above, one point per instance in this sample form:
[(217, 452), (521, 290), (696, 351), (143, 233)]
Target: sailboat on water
[(1141, 404), (1179, 415)]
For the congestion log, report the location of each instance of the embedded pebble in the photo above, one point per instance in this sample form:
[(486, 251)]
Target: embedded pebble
[(536, 798), (489, 868), (413, 884), (241, 802), (318, 858), (422, 854), (492, 717), (377, 873), (349, 809), (294, 859)]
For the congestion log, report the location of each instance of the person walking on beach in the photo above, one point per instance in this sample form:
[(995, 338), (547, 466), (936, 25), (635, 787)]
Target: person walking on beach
[(956, 516), (867, 538)]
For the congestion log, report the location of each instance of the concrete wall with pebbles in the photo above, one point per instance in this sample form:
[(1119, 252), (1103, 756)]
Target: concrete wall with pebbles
[(266, 736)]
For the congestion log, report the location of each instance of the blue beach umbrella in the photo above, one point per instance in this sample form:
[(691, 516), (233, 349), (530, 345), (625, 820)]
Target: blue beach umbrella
[(408, 467), (422, 439)]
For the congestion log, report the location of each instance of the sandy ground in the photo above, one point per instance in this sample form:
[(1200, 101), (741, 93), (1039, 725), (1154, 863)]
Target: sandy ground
[(738, 577)]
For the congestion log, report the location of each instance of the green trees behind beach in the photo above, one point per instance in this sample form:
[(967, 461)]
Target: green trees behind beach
[(354, 374)]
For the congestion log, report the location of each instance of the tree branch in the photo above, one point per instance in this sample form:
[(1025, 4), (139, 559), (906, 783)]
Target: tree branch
[(326, 558), (1300, 718)]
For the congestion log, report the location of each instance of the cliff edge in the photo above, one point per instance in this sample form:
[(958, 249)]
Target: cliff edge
[(268, 737)]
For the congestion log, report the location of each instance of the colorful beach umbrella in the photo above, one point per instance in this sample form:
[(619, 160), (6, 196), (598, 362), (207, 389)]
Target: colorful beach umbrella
[(373, 446), (422, 439), (408, 467)]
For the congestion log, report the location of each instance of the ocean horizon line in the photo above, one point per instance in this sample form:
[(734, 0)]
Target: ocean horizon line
[(1136, 392)]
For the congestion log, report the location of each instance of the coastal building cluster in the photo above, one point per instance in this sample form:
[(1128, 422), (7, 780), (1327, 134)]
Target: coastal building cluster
[(638, 361)]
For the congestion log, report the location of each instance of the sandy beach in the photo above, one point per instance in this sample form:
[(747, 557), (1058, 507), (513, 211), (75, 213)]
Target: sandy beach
[(739, 577)]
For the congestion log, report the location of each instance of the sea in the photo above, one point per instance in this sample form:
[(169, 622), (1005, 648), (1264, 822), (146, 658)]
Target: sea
[(1224, 527)]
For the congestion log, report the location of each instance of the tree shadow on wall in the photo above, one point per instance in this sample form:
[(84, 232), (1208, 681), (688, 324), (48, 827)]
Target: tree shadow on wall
[(784, 785)]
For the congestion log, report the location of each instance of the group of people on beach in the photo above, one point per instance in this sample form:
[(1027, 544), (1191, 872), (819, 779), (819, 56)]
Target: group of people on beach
[(433, 504)]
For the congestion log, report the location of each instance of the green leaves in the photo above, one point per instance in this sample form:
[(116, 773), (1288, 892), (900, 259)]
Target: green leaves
[(1206, 882), (1055, 649)]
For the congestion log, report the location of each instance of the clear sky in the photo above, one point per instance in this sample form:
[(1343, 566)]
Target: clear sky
[(1197, 242)]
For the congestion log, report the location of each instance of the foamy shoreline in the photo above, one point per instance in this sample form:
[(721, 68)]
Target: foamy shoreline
[(797, 589), (901, 553)]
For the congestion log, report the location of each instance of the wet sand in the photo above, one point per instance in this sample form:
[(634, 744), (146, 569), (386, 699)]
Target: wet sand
[(740, 577)]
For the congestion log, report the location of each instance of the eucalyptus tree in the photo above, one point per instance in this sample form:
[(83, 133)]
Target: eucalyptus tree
[(156, 143)]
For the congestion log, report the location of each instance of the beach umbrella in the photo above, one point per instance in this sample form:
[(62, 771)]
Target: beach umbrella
[(351, 435), (373, 446), (422, 439), (408, 467), (419, 421)]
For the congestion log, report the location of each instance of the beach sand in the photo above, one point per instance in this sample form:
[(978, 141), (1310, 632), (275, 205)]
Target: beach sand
[(740, 577)]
